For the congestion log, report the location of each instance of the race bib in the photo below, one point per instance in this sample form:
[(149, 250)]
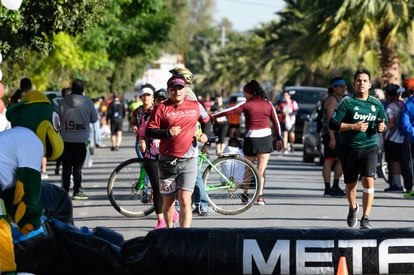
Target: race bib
[(167, 186)]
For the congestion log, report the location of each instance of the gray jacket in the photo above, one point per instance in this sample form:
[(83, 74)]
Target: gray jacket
[(76, 113)]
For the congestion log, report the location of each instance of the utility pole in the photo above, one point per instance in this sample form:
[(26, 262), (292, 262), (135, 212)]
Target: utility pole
[(223, 36)]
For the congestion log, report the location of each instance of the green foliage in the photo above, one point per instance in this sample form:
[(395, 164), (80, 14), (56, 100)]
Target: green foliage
[(106, 43), (34, 24), (109, 43), (129, 31)]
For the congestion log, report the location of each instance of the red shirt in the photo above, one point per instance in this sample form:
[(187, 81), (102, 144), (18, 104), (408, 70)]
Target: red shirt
[(258, 113), (186, 115)]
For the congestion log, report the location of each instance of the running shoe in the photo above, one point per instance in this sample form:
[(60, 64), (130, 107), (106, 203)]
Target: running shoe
[(352, 216), (337, 192), (160, 224), (260, 200), (201, 212), (394, 188), (365, 222), (79, 196), (327, 193), (244, 198)]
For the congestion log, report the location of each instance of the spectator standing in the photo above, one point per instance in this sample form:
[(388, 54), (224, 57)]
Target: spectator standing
[(97, 124), (132, 106), (234, 123), (287, 109), (257, 145), (208, 103), (174, 122), (115, 117), (358, 118), (330, 140), (103, 112), (395, 145), (220, 124), (407, 124), (77, 112), (64, 92)]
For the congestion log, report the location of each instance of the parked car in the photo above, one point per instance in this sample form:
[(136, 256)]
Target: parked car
[(311, 139), (307, 97), (55, 96)]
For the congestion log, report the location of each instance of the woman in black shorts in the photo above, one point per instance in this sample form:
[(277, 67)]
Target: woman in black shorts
[(258, 141)]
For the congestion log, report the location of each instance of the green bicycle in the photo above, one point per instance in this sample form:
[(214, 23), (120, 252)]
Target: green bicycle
[(226, 179), (232, 182), (129, 189)]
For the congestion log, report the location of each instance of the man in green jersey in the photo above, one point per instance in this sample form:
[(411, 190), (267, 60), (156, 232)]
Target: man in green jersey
[(359, 118)]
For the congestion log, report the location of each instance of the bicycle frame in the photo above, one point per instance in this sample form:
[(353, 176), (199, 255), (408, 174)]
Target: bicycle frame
[(203, 157), (231, 181)]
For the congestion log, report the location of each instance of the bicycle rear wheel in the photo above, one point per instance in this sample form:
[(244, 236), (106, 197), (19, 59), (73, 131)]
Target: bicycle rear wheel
[(124, 192), (226, 182)]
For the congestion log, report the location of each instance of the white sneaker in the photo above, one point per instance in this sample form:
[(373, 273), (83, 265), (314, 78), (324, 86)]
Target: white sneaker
[(45, 176)]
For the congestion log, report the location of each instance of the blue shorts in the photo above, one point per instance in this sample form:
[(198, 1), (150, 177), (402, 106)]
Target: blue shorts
[(177, 174), (358, 162)]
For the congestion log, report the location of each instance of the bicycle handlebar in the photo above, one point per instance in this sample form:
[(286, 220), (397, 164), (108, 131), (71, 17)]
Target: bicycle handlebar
[(210, 140)]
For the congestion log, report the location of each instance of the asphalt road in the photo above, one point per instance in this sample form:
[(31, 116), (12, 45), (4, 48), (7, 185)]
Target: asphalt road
[(293, 195)]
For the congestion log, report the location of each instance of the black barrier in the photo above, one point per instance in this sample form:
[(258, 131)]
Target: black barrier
[(273, 251), (235, 251)]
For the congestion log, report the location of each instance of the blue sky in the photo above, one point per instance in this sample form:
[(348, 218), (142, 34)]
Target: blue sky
[(247, 14)]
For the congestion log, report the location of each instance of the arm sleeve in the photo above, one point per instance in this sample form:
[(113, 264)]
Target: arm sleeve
[(157, 133), (154, 126)]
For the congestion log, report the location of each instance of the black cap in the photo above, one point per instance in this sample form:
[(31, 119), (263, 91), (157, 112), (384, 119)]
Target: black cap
[(161, 93)]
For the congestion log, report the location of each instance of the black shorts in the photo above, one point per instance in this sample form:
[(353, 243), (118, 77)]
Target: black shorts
[(252, 146), (116, 125), (393, 151), (220, 130), (358, 162), (329, 153)]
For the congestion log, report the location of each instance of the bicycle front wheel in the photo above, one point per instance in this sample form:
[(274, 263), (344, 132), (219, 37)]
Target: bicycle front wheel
[(232, 184), (126, 194)]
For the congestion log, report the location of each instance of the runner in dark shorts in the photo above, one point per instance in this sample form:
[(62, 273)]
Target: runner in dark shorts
[(359, 161), (359, 118)]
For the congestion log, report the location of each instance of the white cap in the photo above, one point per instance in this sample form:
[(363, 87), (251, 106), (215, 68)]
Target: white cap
[(146, 90)]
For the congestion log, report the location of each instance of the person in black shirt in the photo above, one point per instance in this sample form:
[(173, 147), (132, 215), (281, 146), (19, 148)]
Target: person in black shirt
[(115, 117)]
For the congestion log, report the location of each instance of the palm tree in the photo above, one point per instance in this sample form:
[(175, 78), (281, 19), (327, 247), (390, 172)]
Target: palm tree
[(364, 30)]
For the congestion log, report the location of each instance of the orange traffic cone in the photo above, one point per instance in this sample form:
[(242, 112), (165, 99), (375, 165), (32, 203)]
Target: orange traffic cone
[(342, 266)]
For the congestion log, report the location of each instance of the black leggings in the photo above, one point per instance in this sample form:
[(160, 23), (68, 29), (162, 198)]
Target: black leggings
[(72, 161), (151, 167)]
